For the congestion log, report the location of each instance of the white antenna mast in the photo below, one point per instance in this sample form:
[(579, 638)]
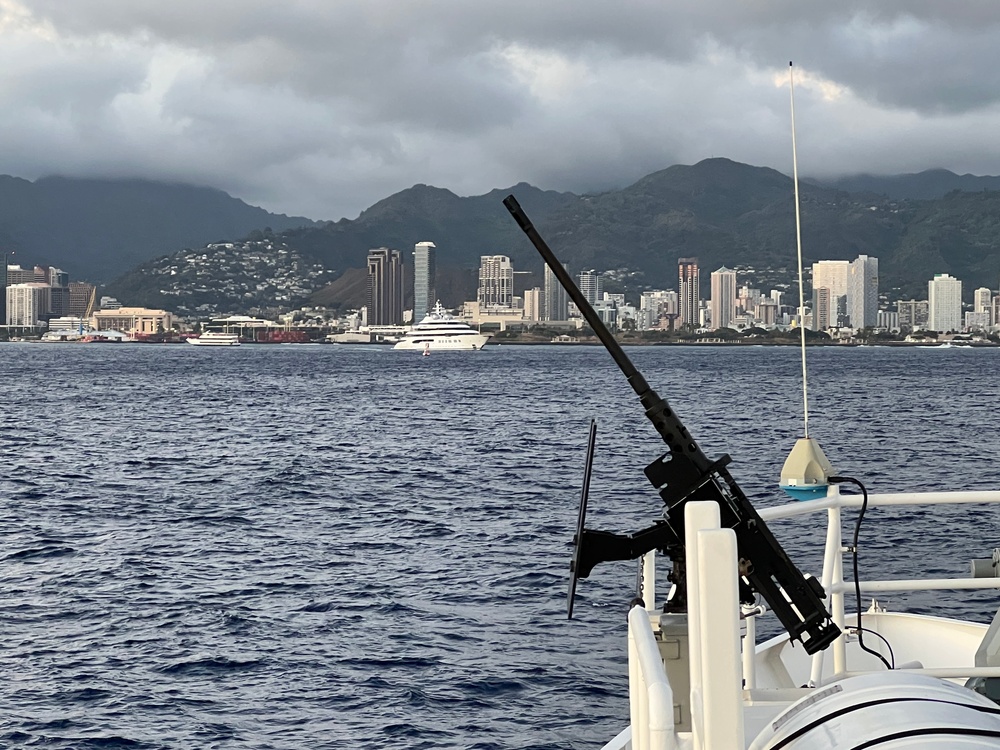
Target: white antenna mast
[(798, 245), (804, 475)]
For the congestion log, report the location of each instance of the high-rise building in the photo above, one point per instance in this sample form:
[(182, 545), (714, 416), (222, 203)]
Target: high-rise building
[(831, 275), (655, 306), (81, 295), (555, 301), (688, 291), (424, 268), (3, 292), (912, 314), (590, 286), (723, 303), (944, 301), (385, 287), (533, 304), (18, 275), (766, 312), (982, 302), (27, 304), (862, 292), (496, 282)]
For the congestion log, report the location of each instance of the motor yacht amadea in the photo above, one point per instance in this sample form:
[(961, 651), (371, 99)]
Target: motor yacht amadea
[(441, 331), (215, 338)]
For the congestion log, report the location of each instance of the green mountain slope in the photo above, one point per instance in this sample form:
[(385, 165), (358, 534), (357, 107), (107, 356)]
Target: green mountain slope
[(100, 229), (723, 212)]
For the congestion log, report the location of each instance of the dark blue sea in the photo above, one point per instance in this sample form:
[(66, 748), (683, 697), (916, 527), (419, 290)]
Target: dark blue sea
[(334, 546)]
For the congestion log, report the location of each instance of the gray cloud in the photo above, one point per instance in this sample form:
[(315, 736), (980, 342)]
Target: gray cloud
[(323, 108)]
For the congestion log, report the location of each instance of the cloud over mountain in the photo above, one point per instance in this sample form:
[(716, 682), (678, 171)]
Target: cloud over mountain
[(321, 108)]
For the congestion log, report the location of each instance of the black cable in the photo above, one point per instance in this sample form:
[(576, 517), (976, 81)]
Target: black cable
[(892, 656), (854, 554)]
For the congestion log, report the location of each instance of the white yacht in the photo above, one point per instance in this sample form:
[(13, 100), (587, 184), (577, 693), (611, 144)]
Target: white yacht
[(441, 331), (215, 338)]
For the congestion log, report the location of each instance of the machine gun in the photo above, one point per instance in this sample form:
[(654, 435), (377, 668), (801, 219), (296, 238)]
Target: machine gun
[(685, 473)]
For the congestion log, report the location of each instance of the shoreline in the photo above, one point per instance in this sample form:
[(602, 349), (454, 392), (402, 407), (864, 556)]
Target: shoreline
[(831, 344)]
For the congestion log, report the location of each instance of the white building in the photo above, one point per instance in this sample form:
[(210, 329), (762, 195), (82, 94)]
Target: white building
[(944, 299), (982, 302), (977, 321), (655, 306), (27, 304), (496, 282), (862, 292), (886, 320), (831, 275), (590, 286), (533, 304), (723, 303)]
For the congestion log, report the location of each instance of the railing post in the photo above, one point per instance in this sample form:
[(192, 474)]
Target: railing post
[(720, 639), (636, 692), (750, 652), (648, 592), (698, 515), (833, 572), (651, 697)]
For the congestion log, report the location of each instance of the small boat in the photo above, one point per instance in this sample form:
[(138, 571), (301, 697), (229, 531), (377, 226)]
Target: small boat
[(215, 338), (442, 331)]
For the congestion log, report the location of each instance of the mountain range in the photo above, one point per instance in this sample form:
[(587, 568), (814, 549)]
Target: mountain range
[(723, 212), (99, 229)]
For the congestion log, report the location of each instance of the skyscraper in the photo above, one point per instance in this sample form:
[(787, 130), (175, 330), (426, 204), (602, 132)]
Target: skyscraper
[(944, 301), (982, 302), (688, 291), (496, 282), (424, 268), (385, 287), (912, 314), (831, 275), (723, 302), (862, 292), (27, 304), (80, 295), (590, 286), (555, 301)]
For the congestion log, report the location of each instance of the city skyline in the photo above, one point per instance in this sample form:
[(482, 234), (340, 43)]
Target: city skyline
[(750, 307)]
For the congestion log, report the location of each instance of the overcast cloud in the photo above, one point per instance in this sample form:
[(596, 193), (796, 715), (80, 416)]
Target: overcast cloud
[(322, 107)]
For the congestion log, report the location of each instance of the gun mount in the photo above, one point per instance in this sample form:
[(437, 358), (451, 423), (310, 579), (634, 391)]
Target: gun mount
[(682, 474)]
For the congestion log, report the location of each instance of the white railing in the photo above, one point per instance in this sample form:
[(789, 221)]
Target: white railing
[(713, 617), (651, 701), (833, 560)]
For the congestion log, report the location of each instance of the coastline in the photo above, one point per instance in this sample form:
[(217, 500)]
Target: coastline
[(594, 341)]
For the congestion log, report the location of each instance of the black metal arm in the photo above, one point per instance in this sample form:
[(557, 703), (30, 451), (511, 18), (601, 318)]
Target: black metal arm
[(686, 473)]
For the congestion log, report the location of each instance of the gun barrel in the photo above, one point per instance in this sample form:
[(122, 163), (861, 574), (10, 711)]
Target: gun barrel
[(591, 316), (670, 428)]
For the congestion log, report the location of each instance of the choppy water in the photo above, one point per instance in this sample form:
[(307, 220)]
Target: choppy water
[(308, 547)]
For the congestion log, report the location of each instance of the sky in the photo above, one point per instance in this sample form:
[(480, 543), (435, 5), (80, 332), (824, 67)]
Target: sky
[(323, 107)]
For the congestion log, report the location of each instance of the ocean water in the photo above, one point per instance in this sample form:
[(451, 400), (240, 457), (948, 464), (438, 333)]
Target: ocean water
[(335, 546)]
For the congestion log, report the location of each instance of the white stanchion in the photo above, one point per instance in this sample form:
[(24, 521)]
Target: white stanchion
[(720, 663), (698, 515)]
